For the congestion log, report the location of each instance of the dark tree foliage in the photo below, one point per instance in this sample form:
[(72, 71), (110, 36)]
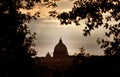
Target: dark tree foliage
[(16, 41), (93, 12), (97, 66)]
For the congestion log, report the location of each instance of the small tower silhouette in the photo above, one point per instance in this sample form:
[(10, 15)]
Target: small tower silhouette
[(48, 55)]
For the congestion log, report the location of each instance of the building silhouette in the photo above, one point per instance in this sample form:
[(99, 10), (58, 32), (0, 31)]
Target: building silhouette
[(60, 50), (60, 61), (64, 65)]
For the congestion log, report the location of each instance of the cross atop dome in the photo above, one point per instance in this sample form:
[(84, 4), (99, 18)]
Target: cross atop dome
[(60, 41)]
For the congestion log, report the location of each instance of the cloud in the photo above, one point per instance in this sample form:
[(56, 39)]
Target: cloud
[(63, 5), (49, 31), (48, 34)]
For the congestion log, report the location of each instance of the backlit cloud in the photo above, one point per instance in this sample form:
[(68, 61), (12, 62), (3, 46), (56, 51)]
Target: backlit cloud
[(49, 31)]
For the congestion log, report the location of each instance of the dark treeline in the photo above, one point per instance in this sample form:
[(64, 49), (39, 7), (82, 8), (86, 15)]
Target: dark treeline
[(98, 66), (92, 66)]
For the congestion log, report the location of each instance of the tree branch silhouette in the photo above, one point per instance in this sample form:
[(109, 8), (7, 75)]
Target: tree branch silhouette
[(16, 40), (92, 11)]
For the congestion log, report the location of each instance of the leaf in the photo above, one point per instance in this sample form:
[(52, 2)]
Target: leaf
[(106, 25), (103, 41)]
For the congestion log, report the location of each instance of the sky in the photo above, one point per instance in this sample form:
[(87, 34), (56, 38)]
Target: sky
[(49, 31)]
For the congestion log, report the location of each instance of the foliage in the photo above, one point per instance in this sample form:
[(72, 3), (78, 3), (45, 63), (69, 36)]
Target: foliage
[(82, 52), (108, 66), (16, 41), (92, 11)]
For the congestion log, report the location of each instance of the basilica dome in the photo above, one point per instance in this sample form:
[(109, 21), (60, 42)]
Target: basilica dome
[(60, 50)]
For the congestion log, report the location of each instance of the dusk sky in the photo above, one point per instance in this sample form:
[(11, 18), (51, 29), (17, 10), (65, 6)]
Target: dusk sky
[(49, 31)]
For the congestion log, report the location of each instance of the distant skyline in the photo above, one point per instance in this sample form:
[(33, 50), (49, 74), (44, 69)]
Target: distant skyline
[(49, 31)]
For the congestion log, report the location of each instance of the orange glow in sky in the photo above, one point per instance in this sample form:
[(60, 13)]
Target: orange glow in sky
[(49, 31)]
